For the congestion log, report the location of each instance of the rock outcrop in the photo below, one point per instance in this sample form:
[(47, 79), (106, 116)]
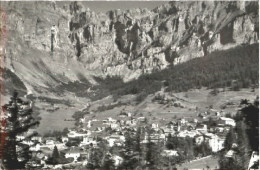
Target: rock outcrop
[(126, 43)]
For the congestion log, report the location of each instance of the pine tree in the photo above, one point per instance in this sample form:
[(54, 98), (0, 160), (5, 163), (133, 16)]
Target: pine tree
[(138, 140), (109, 163), (129, 154), (247, 126), (169, 143), (230, 139), (94, 160), (244, 149), (55, 153), (18, 120), (149, 147)]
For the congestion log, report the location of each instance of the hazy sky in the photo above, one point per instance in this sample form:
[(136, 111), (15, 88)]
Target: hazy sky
[(104, 6)]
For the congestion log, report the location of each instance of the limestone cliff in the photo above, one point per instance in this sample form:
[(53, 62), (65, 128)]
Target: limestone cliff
[(126, 43)]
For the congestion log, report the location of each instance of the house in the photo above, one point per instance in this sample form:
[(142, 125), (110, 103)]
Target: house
[(186, 133), (199, 139), (168, 131), (228, 121), (34, 164), (202, 128), (37, 147), (156, 137), (169, 153), (114, 126), (171, 124), (155, 125), (230, 153), (64, 139), (49, 142), (20, 137), (88, 123), (73, 153), (37, 138), (215, 142), (88, 140), (219, 128), (111, 120), (129, 114), (123, 114), (98, 126), (117, 160), (74, 134), (192, 126), (254, 161), (154, 50), (131, 122), (183, 121), (28, 142), (115, 139), (141, 119)]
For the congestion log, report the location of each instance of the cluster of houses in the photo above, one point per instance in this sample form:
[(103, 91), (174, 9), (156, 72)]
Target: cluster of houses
[(112, 130)]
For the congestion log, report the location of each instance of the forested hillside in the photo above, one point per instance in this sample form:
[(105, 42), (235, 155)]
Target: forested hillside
[(234, 68)]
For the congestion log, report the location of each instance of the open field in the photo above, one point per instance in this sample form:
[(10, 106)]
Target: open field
[(153, 110), (55, 120), (200, 98)]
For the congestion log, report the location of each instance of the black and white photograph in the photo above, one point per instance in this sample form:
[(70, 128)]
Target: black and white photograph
[(129, 85)]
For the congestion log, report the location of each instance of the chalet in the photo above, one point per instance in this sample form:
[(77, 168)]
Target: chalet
[(155, 138), (111, 120), (155, 125), (186, 133), (37, 147), (183, 121), (115, 139), (168, 131), (88, 140), (74, 153), (49, 142), (141, 119), (201, 128), (227, 121), (28, 142), (215, 142), (123, 114), (114, 126), (20, 137), (169, 153), (64, 139), (131, 122), (74, 134), (37, 138), (97, 126)]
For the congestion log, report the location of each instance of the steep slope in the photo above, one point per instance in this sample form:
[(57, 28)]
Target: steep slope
[(125, 43)]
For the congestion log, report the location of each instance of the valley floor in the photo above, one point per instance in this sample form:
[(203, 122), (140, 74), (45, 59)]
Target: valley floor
[(228, 101)]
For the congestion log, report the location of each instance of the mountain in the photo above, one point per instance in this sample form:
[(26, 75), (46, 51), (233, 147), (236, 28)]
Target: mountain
[(125, 43), (120, 45)]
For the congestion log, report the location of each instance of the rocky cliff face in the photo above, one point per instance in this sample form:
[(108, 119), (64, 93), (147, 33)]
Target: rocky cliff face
[(126, 43)]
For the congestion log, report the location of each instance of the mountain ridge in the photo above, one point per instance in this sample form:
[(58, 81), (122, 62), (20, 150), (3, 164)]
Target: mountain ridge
[(123, 43)]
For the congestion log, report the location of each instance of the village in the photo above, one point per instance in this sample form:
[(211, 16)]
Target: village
[(209, 128)]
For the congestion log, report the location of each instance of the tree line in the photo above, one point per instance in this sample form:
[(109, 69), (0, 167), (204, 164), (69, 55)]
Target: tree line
[(233, 68), (242, 139)]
